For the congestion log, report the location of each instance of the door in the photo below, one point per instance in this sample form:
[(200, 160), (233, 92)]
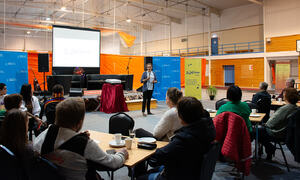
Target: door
[(214, 46), (229, 75)]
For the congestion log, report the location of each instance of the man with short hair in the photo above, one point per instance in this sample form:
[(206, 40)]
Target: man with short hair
[(70, 150), (289, 83), (263, 100)]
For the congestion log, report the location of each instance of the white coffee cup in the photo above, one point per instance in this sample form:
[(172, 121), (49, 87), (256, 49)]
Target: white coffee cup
[(128, 143), (280, 100), (118, 137), (253, 111)]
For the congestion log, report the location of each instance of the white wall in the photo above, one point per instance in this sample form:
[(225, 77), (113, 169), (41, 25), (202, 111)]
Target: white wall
[(282, 17)]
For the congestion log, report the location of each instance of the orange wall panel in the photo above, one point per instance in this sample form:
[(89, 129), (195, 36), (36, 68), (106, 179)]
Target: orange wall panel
[(282, 43), (248, 72), (33, 67), (117, 64), (182, 72)]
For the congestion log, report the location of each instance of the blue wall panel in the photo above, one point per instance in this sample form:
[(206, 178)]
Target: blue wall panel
[(167, 70), (13, 70)]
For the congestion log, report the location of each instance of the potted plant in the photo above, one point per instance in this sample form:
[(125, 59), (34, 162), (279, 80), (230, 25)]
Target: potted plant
[(211, 91)]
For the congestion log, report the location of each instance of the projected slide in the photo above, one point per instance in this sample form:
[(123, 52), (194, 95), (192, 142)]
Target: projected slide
[(75, 47)]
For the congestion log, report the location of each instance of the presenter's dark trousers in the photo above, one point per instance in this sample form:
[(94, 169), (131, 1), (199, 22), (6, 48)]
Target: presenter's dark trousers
[(147, 98)]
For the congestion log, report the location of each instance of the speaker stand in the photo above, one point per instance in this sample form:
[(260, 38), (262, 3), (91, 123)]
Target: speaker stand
[(44, 87)]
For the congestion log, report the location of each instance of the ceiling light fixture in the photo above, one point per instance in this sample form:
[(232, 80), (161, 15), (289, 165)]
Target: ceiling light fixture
[(128, 20), (28, 32), (48, 18), (63, 8)]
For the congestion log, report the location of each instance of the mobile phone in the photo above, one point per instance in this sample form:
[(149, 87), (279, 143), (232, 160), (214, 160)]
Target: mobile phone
[(111, 151)]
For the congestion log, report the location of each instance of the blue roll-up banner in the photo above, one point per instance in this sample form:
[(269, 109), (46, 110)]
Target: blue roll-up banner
[(167, 70), (13, 70)]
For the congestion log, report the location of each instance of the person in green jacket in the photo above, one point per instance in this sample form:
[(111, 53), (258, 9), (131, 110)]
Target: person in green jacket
[(234, 95), (276, 126)]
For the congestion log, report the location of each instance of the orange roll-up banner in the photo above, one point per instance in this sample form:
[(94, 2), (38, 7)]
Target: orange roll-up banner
[(33, 67), (117, 64)]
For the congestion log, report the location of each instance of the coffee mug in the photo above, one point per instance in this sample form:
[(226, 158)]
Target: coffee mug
[(253, 111), (280, 100), (128, 143), (118, 137)]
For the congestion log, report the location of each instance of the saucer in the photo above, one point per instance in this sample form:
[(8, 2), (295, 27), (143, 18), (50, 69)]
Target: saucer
[(114, 144), (254, 115)]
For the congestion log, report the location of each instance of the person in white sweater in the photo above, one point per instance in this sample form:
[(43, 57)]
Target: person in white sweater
[(71, 162), (169, 122), (3, 92)]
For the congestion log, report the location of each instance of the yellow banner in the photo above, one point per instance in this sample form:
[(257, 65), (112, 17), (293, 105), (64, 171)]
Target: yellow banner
[(193, 77)]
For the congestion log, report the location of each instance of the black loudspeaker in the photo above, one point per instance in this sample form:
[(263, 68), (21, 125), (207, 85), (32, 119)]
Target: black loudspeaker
[(43, 63), (146, 61), (76, 92)]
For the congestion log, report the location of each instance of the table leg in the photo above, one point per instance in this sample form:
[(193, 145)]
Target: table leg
[(256, 141)]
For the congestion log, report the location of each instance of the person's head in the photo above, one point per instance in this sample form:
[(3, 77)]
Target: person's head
[(290, 82), (57, 91), (3, 89), (12, 101), (189, 110), (26, 92), (149, 67), (263, 86), (291, 95), (173, 96), (234, 93), (13, 134), (70, 113)]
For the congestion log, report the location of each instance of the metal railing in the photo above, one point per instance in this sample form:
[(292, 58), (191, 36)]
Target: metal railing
[(223, 49)]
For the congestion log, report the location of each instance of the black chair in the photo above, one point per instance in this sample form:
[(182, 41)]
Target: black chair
[(9, 166), (120, 123), (264, 106), (50, 117), (76, 81), (251, 104), (209, 161), (280, 143), (221, 102)]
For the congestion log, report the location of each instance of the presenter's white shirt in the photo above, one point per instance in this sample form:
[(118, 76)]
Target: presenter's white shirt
[(150, 81)]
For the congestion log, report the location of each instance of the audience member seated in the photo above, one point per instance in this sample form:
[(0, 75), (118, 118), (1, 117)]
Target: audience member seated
[(11, 101), (169, 122), (263, 100), (276, 126), (31, 105), (234, 95), (182, 157), (289, 83), (62, 143), (50, 105), (3, 92)]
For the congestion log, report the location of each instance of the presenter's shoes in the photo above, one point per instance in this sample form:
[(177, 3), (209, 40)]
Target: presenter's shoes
[(144, 114), (149, 113)]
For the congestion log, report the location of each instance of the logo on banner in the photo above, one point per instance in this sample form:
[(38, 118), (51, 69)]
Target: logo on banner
[(22, 56), (10, 64), (12, 79)]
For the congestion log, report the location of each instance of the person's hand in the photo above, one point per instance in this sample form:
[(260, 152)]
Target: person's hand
[(155, 81), (87, 133), (124, 151)]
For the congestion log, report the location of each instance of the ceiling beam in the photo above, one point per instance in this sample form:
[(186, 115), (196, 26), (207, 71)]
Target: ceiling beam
[(256, 2), (211, 9)]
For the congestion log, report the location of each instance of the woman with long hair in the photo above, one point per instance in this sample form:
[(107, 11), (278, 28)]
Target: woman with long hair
[(31, 105), (13, 134)]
